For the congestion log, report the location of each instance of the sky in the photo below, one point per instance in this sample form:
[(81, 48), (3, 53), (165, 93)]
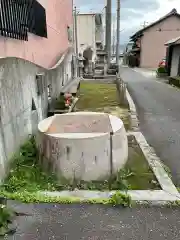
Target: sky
[(133, 12)]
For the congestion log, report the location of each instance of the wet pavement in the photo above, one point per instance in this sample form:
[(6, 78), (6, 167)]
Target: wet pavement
[(96, 222), (158, 107)]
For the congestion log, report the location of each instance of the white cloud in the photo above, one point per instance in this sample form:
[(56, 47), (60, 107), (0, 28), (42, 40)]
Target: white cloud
[(133, 23), (165, 6)]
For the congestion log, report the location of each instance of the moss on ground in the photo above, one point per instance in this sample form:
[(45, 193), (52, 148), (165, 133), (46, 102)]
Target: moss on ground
[(102, 97)]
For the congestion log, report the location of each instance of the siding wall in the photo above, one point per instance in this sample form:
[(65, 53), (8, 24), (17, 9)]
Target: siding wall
[(152, 43)]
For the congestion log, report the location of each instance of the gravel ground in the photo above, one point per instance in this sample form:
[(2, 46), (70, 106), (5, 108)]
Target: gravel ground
[(75, 222)]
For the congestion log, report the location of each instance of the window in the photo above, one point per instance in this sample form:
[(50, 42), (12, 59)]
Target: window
[(39, 83), (13, 18), (37, 20), (17, 17), (33, 106), (49, 91)]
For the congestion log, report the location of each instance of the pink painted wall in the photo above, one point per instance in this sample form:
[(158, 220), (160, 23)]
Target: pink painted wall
[(43, 51), (152, 43)]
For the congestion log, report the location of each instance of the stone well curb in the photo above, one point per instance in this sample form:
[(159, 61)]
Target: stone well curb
[(168, 194)]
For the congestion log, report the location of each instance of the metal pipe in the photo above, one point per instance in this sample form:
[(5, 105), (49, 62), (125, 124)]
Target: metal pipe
[(118, 32), (75, 25)]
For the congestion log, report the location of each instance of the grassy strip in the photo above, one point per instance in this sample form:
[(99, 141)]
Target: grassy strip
[(27, 178), (102, 97), (143, 177), (97, 95)]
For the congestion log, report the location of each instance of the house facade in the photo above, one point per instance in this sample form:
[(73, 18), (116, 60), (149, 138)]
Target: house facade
[(149, 43), (41, 37)]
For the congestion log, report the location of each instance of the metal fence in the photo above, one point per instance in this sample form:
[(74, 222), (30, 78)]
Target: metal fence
[(17, 17)]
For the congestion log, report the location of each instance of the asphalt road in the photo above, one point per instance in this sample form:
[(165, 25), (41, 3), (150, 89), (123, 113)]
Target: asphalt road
[(158, 107), (94, 222)]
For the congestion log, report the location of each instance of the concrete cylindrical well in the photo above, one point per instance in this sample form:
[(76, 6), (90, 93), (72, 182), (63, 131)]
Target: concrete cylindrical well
[(77, 145)]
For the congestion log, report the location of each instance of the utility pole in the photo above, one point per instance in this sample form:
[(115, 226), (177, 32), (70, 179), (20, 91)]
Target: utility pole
[(114, 36), (108, 31), (118, 32), (75, 26), (74, 68), (73, 23)]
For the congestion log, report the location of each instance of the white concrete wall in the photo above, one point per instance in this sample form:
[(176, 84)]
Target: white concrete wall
[(18, 88), (175, 60), (86, 30)]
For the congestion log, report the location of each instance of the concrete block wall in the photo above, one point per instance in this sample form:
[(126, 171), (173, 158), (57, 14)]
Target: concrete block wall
[(21, 105)]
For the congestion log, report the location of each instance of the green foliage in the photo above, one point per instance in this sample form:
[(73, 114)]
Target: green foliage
[(60, 103), (116, 199), (161, 70), (122, 199), (172, 204), (26, 173), (6, 217)]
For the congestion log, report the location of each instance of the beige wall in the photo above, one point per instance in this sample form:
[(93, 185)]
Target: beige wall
[(152, 43)]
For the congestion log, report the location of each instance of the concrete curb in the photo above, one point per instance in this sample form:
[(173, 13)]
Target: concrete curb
[(132, 108), (155, 164)]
